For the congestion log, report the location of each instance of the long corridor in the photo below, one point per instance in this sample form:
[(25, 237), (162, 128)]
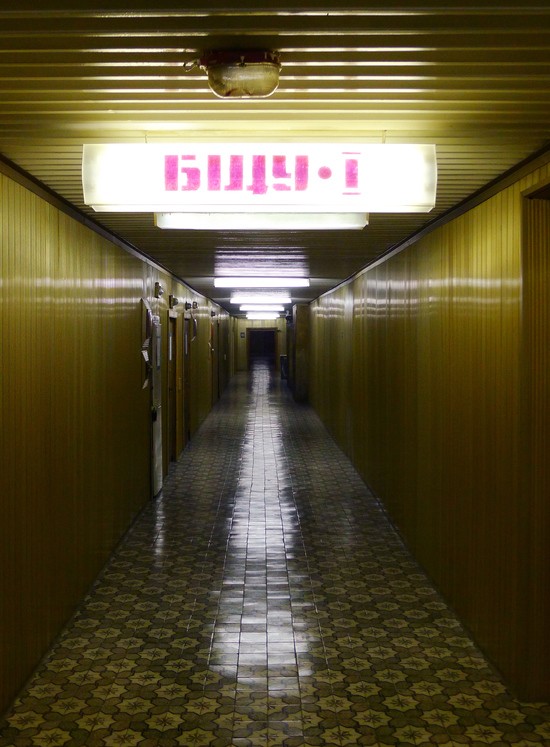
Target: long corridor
[(264, 599)]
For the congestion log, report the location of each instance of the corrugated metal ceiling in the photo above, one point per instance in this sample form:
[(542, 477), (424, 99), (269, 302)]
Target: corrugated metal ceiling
[(472, 78)]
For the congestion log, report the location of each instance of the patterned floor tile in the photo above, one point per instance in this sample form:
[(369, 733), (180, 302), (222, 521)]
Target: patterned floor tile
[(264, 599)]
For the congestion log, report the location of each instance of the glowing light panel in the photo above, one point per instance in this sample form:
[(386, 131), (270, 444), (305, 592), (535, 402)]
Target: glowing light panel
[(261, 315), (260, 221), (260, 298), (261, 282), (263, 177), (261, 307)]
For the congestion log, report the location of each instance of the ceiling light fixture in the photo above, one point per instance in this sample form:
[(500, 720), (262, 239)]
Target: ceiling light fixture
[(255, 178), (261, 282), (261, 307), (259, 221), (252, 73), (260, 298), (262, 315)]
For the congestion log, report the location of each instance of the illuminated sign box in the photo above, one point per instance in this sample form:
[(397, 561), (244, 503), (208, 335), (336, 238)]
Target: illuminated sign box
[(265, 177)]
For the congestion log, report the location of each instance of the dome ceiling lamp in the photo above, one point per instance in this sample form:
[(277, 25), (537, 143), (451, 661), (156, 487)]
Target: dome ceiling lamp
[(249, 73)]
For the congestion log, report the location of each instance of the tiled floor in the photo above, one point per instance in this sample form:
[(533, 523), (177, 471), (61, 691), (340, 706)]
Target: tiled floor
[(265, 600)]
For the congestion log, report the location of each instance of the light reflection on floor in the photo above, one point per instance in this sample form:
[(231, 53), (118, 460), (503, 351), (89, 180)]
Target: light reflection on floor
[(257, 623), (265, 600)]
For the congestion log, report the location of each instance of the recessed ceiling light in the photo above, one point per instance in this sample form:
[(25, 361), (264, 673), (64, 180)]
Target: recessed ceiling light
[(265, 315), (260, 282), (258, 221), (260, 298), (261, 307)]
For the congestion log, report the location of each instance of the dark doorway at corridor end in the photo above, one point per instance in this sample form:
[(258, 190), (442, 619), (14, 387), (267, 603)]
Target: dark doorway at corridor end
[(262, 346)]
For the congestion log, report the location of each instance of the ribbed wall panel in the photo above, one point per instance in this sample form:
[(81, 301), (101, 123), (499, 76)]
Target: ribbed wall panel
[(75, 420), (427, 401), (74, 450), (536, 420)]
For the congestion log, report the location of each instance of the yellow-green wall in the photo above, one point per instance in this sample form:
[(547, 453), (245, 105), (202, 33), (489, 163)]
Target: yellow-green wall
[(75, 420), (418, 371)]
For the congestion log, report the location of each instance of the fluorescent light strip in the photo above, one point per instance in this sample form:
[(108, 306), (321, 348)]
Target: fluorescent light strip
[(262, 315), (261, 221), (260, 307), (260, 298), (261, 282)]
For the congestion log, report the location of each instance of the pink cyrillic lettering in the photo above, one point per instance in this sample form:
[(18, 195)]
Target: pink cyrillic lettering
[(192, 174), (214, 173), (235, 174), (259, 185), (171, 173), (280, 172), (352, 173), (302, 171)]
